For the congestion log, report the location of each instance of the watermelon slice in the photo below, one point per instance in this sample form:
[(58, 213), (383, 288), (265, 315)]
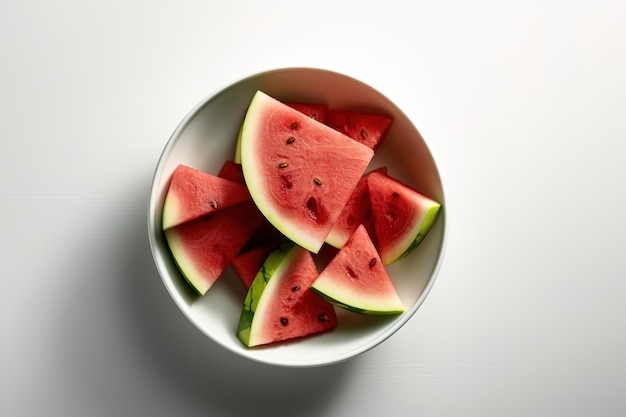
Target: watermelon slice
[(358, 210), (204, 247), (300, 172), (316, 111), (280, 304), (193, 193), (402, 216), (357, 280), (367, 128)]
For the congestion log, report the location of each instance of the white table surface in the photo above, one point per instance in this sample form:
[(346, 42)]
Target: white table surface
[(523, 105)]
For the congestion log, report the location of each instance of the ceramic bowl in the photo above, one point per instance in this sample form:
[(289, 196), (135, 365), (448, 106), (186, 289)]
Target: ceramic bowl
[(205, 138)]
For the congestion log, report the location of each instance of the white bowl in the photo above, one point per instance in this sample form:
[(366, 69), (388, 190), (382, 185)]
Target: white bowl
[(206, 138)]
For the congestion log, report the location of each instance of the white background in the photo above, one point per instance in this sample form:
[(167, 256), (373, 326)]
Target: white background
[(523, 105)]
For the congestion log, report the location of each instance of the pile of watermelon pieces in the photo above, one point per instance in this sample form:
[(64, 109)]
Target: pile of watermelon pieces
[(215, 220)]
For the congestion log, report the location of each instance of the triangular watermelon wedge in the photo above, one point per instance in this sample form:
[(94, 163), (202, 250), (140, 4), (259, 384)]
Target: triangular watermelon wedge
[(357, 280), (402, 216), (280, 305), (193, 194), (204, 247), (367, 128), (300, 172)]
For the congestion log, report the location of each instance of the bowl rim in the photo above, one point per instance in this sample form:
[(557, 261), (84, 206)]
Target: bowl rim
[(152, 208)]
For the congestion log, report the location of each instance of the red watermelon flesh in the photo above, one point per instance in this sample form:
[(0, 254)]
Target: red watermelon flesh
[(204, 247), (367, 128), (316, 111), (358, 210), (300, 172), (193, 193), (266, 233), (280, 305), (247, 264), (402, 216), (357, 280), (231, 171)]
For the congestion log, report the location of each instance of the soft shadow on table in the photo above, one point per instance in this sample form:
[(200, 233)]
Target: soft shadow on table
[(143, 331)]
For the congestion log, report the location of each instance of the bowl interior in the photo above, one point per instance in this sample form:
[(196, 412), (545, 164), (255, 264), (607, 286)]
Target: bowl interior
[(205, 139)]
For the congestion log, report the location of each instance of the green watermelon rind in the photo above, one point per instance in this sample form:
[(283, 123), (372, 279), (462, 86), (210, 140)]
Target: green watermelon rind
[(406, 246), (391, 310), (275, 262)]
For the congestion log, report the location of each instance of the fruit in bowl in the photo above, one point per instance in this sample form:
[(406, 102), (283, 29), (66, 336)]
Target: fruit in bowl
[(338, 238)]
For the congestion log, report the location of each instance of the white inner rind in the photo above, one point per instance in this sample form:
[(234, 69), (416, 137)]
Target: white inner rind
[(348, 295), (187, 266)]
